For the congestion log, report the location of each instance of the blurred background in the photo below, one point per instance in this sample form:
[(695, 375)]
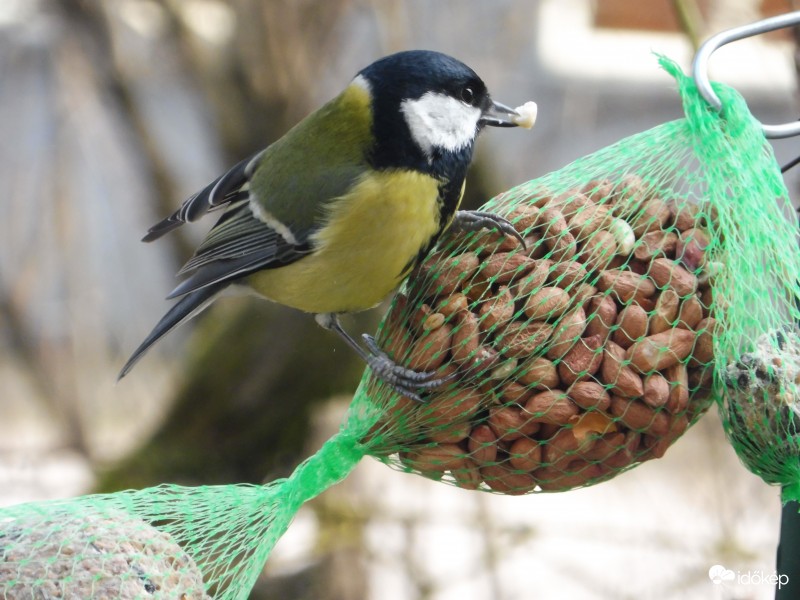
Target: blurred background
[(112, 112)]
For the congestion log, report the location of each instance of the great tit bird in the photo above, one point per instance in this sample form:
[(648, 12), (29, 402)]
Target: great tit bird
[(333, 216)]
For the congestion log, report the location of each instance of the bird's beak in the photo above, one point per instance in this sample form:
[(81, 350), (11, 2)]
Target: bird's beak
[(499, 115)]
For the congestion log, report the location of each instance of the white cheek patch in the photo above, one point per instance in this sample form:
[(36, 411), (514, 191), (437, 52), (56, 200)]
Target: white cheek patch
[(440, 121)]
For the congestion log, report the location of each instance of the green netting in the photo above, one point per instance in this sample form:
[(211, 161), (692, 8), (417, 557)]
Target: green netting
[(182, 543), (658, 275)]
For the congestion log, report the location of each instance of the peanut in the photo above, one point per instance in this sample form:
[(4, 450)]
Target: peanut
[(551, 406), (484, 363), (532, 281), (602, 315), (434, 459), (626, 455), (678, 377), (599, 190), (556, 236), (652, 215), (666, 273), (626, 286), (449, 433), (665, 312), (619, 378), (690, 313), (507, 481), (604, 446), (431, 349), (523, 340), (467, 475), (465, 336), (582, 360), (505, 266), (453, 304), (656, 244), (656, 445), (451, 405), (662, 350), (576, 474), (685, 215), (482, 444), (631, 325), (623, 236), (589, 395), (691, 248), (497, 311), (589, 219), (570, 203), (447, 274), (510, 422), (567, 331), (638, 416), (560, 449), (566, 274), (548, 303), (525, 454), (703, 352), (599, 250), (513, 392), (582, 292), (656, 390), (524, 218), (538, 373)]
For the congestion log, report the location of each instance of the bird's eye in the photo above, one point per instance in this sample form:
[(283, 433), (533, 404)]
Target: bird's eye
[(467, 95)]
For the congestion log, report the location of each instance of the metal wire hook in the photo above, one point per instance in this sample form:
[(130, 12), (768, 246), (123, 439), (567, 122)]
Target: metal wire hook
[(700, 64)]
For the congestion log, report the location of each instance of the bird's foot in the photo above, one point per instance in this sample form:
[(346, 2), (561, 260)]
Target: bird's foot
[(475, 220), (403, 380)]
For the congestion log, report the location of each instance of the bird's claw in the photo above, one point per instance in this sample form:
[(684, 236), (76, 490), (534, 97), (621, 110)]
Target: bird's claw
[(401, 379), (475, 220)]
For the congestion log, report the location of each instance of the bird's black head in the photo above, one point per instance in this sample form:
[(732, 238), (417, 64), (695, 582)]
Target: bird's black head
[(428, 109)]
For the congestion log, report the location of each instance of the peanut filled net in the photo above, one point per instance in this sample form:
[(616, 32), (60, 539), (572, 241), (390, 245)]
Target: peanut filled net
[(657, 276)]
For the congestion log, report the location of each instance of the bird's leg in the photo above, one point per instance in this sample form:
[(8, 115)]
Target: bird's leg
[(401, 379), (475, 220)]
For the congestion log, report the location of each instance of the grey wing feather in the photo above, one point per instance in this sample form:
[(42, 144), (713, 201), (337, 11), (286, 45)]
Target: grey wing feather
[(229, 187), (234, 235), (237, 245)]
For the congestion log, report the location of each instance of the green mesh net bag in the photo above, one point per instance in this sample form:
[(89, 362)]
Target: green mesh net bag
[(658, 275)]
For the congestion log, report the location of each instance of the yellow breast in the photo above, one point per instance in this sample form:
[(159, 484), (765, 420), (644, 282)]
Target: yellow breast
[(371, 235)]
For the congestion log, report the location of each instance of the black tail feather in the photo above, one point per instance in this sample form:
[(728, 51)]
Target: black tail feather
[(186, 308), (163, 227)]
